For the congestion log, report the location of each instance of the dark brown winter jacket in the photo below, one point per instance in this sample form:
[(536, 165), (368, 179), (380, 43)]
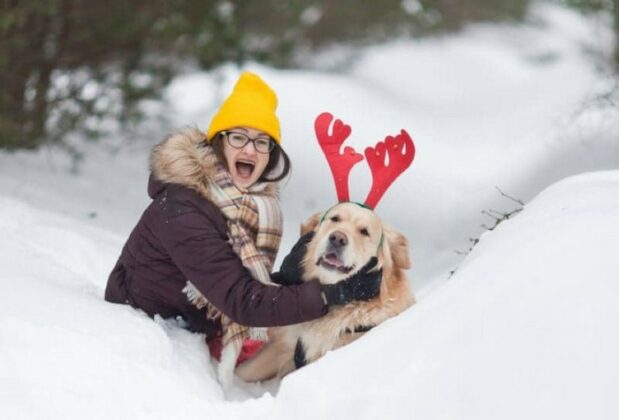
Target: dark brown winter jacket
[(182, 236)]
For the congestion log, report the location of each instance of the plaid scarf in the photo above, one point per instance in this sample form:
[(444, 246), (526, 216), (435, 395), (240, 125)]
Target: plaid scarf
[(254, 221)]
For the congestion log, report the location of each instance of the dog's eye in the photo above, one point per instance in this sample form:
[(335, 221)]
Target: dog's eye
[(335, 219), (364, 232)]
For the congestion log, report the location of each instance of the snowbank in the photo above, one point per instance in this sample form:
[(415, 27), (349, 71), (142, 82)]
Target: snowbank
[(526, 328), (66, 352)]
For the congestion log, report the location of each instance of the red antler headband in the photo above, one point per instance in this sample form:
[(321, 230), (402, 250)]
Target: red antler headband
[(399, 150)]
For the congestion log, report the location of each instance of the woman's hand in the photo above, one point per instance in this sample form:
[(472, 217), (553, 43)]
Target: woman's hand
[(363, 285), (291, 271)]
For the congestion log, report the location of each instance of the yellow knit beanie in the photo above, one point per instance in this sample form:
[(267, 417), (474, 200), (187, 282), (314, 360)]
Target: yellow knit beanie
[(252, 103)]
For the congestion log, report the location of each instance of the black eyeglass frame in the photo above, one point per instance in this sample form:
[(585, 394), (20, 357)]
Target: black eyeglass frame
[(272, 143)]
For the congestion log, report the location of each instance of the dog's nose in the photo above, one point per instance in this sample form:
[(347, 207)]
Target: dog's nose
[(338, 239)]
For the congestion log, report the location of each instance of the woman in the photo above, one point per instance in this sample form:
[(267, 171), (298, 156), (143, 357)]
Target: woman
[(211, 233)]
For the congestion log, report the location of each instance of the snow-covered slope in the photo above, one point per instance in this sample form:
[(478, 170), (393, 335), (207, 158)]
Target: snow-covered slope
[(65, 351), (526, 328)]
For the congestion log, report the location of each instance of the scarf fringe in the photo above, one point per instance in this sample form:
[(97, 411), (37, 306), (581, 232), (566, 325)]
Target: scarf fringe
[(256, 333), (199, 301), (194, 296)]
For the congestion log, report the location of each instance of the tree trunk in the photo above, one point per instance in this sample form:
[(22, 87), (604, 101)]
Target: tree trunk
[(23, 77)]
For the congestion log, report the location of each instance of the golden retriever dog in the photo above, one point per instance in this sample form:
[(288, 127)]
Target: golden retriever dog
[(345, 238)]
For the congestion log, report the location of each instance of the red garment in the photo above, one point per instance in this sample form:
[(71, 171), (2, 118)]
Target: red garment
[(250, 348)]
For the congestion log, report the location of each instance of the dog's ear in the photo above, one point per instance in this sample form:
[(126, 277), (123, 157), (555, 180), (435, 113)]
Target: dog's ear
[(311, 223), (398, 246)]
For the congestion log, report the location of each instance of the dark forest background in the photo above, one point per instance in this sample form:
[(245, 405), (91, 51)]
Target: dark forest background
[(63, 62)]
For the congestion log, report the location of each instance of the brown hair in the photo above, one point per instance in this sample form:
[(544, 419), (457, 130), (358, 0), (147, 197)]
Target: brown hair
[(276, 156)]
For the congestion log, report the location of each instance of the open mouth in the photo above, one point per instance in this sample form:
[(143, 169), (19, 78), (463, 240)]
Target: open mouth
[(331, 261), (244, 168)]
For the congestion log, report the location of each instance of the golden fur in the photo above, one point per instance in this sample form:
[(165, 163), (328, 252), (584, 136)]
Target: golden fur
[(367, 236)]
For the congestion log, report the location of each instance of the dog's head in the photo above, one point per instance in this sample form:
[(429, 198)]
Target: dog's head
[(346, 237)]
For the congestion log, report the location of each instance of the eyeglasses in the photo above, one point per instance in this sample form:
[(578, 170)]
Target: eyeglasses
[(239, 140)]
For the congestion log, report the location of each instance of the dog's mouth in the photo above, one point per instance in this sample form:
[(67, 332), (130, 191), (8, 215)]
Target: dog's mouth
[(331, 261)]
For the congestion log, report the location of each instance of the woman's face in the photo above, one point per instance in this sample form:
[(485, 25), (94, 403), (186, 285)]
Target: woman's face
[(245, 164)]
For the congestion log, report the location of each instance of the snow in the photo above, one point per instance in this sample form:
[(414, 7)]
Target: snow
[(524, 328)]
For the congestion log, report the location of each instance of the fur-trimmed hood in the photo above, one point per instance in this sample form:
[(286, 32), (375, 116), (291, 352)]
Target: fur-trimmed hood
[(183, 158)]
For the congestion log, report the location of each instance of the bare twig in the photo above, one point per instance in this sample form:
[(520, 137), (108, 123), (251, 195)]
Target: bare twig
[(498, 218), (509, 196)]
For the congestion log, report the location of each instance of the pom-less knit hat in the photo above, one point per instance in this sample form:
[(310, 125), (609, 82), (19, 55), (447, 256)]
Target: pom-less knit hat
[(252, 103)]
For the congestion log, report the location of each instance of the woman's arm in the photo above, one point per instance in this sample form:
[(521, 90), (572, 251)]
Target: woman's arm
[(203, 255)]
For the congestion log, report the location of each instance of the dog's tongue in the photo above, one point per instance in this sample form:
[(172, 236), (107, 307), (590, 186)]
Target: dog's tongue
[(333, 260)]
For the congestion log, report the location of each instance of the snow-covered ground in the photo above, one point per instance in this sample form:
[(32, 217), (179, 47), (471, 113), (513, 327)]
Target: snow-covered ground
[(525, 328)]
